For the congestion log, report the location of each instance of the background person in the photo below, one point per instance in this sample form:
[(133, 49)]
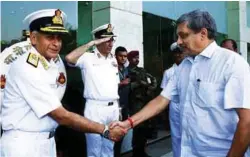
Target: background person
[(124, 87), (142, 88), (101, 78), (174, 107)]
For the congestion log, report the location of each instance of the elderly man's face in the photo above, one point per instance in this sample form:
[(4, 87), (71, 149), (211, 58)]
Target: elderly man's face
[(188, 40), (47, 45)]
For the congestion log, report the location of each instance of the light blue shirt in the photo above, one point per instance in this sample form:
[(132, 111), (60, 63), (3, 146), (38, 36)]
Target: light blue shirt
[(210, 87)]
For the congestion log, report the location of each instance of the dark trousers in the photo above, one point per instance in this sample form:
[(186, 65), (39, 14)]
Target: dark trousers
[(139, 141), (118, 145)]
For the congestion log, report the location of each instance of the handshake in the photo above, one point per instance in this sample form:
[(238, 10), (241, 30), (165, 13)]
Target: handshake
[(117, 129)]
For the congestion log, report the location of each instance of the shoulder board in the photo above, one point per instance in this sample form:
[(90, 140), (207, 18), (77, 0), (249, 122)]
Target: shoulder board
[(33, 59)]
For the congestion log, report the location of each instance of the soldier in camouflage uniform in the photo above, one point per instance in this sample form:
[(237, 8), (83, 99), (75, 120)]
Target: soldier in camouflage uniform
[(142, 88)]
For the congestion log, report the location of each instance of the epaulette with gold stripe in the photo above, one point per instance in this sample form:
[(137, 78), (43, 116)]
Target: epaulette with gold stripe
[(33, 59)]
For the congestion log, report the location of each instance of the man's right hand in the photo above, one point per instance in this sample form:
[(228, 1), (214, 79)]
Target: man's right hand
[(74, 55), (116, 133)]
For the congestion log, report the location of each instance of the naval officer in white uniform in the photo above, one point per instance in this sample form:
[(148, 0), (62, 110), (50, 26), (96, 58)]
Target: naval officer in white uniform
[(174, 108), (100, 76)]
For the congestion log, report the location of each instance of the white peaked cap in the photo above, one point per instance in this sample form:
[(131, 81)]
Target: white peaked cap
[(174, 46), (102, 27), (42, 13)]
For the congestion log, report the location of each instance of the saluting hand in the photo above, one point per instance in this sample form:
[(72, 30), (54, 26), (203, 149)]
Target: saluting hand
[(102, 40)]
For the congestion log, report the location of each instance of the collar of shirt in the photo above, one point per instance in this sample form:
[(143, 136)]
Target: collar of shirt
[(45, 63), (99, 55), (123, 72), (207, 52)]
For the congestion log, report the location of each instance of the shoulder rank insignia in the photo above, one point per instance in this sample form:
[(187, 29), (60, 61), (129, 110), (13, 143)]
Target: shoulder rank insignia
[(3, 81), (33, 59)]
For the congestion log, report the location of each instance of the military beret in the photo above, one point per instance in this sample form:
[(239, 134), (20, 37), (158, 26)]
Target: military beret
[(103, 31), (48, 21), (132, 54)]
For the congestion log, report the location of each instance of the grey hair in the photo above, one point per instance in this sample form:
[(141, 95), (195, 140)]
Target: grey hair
[(197, 19)]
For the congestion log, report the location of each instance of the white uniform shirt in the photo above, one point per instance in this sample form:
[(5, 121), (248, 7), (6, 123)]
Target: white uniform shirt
[(174, 112), (30, 94), (167, 75), (100, 76), (210, 87)]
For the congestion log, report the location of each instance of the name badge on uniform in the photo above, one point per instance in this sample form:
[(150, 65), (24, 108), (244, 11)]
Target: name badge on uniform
[(96, 64)]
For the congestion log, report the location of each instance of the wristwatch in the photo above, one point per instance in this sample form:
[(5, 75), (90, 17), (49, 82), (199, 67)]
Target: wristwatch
[(105, 132)]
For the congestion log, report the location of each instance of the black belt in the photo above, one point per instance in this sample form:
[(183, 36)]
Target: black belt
[(110, 103)]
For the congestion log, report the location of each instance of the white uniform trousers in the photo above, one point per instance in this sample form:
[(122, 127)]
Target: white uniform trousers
[(174, 118), (100, 112), (27, 144)]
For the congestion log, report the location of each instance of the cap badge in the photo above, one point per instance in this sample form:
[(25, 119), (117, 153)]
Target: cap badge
[(109, 29), (57, 19), (3, 81)]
